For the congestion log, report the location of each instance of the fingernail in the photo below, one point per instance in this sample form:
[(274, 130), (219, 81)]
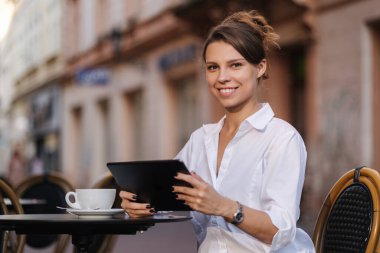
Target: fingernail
[(147, 206), (152, 210), (134, 196), (176, 196)]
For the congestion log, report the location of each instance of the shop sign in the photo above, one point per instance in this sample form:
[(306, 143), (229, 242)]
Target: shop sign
[(176, 57), (93, 76)]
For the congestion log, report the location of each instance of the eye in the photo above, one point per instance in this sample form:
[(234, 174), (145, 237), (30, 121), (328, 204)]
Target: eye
[(236, 64), (212, 67)]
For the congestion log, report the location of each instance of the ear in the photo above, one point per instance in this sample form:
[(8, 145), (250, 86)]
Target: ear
[(261, 67)]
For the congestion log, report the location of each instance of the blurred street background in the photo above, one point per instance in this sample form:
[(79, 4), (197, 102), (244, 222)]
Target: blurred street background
[(86, 82)]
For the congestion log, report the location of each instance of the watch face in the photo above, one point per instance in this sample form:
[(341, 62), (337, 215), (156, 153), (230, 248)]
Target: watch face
[(239, 216)]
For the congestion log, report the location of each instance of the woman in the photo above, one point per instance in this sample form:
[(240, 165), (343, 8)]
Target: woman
[(248, 169)]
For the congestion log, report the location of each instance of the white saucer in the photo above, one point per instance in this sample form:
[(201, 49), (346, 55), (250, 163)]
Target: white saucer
[(105, 213)]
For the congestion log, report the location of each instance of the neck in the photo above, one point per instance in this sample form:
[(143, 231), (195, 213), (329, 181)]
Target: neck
[(236, 117)]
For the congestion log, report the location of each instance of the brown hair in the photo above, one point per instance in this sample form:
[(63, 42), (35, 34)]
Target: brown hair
[(248, 32)]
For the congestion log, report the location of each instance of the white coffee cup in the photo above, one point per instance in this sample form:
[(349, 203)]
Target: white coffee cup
[(91, 199)]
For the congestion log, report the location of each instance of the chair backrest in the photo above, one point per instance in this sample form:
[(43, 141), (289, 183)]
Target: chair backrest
[(9, 241), (349, 218), (105, 243), (51, 188)]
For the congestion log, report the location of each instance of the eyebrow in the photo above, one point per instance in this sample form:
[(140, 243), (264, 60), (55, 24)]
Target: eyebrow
[(230, 61)]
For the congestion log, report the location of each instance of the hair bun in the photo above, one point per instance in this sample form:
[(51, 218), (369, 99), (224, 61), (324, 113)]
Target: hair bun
[(258, 23)]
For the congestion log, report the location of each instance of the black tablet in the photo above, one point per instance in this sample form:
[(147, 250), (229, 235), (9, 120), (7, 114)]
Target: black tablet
[(151, 181)]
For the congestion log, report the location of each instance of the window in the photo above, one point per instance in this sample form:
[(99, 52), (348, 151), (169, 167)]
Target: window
[(104, 138), (71, 33), (285, 89), (134, 123), (187, 112), (76, 138), (375, 39), (298, 103), (101, 17)]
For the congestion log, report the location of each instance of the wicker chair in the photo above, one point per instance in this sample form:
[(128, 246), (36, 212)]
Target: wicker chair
[(51, 188), (105, 243), (9, 241), (349, 218)]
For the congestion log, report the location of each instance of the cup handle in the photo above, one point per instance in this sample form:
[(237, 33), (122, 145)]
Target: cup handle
[(74, 204)]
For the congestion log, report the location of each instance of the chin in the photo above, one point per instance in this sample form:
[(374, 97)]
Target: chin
[(231, 108)]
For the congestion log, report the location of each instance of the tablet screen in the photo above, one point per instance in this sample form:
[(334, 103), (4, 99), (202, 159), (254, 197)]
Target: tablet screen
[(151, 181)]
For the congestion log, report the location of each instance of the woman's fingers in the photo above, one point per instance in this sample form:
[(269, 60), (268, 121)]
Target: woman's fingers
[(196, 176), (139, 213), (192, 179), (188, 198), (199, 186), (137, 209), (185, 190), (125, 204), (133, 208), (128, 195)]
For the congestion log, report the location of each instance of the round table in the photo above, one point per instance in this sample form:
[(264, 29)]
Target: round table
[(81, 229)]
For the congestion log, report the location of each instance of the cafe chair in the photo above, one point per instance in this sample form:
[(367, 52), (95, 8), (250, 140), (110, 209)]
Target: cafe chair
[(9, 241), (349, 218), (105, 243), (51, 189)]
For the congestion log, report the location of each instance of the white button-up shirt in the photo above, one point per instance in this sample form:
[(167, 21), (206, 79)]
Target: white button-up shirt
[(263, 167)]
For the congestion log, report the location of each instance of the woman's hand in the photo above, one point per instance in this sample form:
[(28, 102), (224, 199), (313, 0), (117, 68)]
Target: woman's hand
[(202, 197), (132, 208)]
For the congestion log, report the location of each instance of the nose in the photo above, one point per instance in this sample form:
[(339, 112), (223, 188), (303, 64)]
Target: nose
[(224, 76)]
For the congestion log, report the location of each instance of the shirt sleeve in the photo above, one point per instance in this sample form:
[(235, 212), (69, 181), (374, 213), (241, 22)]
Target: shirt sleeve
[(185, 154), (283, 178)]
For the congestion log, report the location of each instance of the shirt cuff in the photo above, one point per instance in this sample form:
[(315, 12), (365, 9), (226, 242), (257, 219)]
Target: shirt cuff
[(286, 228), (199, 231)]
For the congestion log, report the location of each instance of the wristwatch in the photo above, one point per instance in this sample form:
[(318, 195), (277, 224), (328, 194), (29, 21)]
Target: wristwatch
[(238, 215)]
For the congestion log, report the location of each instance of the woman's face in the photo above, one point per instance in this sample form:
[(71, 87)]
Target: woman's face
[(232, 79)]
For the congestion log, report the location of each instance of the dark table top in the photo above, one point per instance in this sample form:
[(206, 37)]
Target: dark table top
[(74, 225)]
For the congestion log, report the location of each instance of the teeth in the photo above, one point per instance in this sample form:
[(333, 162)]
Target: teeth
[(225, 91)]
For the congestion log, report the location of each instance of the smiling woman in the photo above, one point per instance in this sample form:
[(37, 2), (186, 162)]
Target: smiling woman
[(6, 12), (247, 169)]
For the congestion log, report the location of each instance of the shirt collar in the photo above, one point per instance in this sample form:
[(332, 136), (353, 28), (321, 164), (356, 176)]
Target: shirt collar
[(214, 128), (258, 120), (262, 117)]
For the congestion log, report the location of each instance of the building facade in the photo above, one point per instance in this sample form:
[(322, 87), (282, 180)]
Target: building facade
[(33, 67), (346, 72), (147, 69)]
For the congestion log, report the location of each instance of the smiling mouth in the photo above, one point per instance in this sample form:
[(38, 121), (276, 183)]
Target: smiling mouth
[(227, 91)]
